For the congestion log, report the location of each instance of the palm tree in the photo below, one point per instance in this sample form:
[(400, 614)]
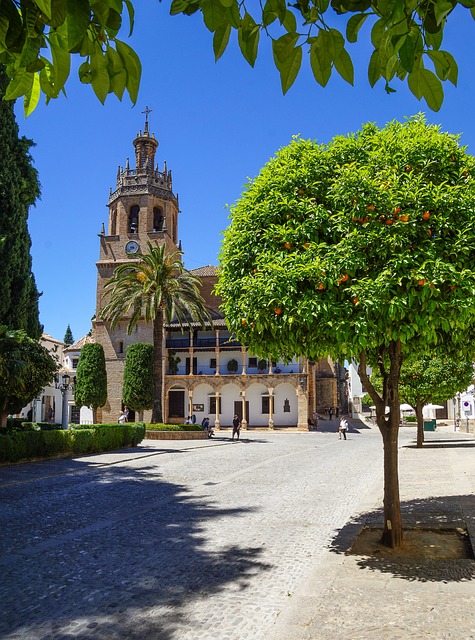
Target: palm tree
[(157, 288)]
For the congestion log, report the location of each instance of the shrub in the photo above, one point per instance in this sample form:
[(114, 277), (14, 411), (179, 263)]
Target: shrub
[(24, 445), (48, 426), (232, 366), (173, 427)]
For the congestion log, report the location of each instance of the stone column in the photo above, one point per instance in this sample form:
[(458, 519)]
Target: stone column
[(191, 353), (165, 406), (244, 415), (190, 403), (217, 353), (243, 357), (302, 409), (217, 423), (271, 408)]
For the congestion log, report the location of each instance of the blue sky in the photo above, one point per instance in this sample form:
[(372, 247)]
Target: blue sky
[(217, 125)]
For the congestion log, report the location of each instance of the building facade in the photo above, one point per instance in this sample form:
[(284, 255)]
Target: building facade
[(208, 373)]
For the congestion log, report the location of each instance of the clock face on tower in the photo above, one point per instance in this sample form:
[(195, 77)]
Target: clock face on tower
[(132, 247)]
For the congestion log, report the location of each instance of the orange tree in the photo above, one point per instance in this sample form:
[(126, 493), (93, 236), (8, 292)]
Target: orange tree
[(362, 249), (433, 379), (427, 379)]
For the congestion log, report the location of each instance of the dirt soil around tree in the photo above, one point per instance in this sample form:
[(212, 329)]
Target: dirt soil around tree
[(435, 544)]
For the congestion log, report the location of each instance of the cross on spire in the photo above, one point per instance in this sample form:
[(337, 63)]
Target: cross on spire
[(147, 111)]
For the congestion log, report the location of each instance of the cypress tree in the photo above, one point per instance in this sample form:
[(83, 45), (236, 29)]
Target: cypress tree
[(137, 390), (91, 378), (19, 189), (68, 336)]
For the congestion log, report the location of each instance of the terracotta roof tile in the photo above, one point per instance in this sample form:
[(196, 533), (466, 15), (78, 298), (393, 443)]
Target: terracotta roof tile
[(79, 344)]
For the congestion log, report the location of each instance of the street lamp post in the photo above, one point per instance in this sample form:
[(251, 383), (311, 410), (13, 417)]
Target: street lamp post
[(64, 386)]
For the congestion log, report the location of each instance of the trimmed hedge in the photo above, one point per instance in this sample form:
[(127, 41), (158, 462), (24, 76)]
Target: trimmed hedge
[(159, 426), (24, 445)]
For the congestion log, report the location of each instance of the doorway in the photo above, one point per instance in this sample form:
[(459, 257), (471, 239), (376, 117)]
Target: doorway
[(176, 403), (238, 410)]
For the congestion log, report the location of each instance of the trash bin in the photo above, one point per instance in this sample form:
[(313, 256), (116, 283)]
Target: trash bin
[(429, 425)]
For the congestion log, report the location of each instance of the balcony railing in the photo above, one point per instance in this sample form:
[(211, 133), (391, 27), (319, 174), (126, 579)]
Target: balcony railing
[(184, 343), (178, 344)]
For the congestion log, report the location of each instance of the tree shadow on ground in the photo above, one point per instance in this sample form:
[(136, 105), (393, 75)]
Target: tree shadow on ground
[(434, 513), (328, 426), (115, 552)]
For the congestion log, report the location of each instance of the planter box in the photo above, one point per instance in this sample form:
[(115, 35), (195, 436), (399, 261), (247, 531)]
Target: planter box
[(176, 435)]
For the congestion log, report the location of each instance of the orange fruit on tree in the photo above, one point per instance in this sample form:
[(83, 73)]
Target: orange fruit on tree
[(426, 215), (404, 217), (370, 207), (389, 221), (287, 245), (321, 286), (343, 278), (243, 321), (355, 300), (421, 282), (278, 310), (306, 245), (396, 210)]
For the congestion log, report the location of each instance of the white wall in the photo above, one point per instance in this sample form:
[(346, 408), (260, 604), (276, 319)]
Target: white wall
[(281, 393)]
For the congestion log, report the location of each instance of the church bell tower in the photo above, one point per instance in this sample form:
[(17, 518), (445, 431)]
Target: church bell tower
[(142, 209)]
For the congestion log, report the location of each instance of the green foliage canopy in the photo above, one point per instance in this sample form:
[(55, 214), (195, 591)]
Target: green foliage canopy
[(434, 379), (362, 249), (91, 377), (26, 367), (137, 390), (19, 189), (347, 247), (38, 38)]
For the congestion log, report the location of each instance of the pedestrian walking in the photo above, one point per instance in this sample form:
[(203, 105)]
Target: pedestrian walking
[(343, 428), (337, 411), (315, 419), (126, 413), (236, 427), (330, 412)]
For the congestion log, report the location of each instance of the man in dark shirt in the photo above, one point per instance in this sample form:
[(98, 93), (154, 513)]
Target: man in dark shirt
[(236, 427)]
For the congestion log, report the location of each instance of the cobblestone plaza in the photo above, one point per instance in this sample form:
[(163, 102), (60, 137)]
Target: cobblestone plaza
[(211, 540)]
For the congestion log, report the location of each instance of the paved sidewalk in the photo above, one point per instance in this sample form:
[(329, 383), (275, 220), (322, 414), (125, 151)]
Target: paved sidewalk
[(362, 598)]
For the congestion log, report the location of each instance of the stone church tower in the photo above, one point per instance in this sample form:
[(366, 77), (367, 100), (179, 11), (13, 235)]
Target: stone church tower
[(142, 209)]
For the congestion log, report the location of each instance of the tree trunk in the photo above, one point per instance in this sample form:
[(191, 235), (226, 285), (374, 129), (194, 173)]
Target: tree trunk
[(392, 531), (420, 423), (3, 420), (389, 427), (157, 411)]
